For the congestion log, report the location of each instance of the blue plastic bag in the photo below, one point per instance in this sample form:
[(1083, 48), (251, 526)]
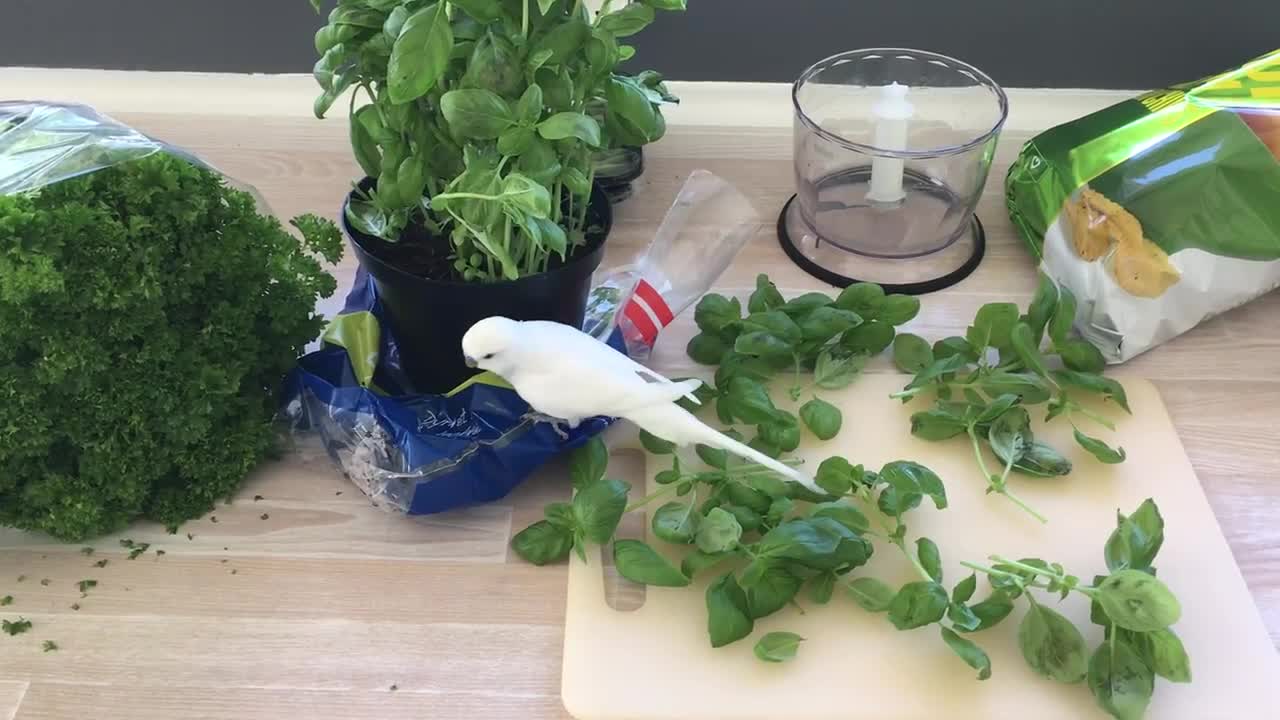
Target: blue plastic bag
[(418, 454)]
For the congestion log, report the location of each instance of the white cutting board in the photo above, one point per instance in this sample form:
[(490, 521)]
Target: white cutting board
[(655, 663)]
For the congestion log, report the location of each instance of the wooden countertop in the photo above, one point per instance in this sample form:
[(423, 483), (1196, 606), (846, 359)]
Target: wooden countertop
[(310, 603)]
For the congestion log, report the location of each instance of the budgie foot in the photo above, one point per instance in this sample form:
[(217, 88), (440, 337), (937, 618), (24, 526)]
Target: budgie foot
[(555, 423)]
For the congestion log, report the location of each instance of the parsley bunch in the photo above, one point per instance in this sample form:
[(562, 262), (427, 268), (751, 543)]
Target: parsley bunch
[(148, 314)]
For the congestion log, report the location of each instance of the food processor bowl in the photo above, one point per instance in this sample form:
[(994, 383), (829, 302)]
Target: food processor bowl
[(892, 150)]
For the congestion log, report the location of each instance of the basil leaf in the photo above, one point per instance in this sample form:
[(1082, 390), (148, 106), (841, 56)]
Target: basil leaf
[(962, 617), (749, 497), (918, 604), (718, 532), (515, 141), (727, 618), (543, 543), (899, 309), (865, 299), (762, 344), (626, 21), (655, 444), (716, 313), (836, 476), (824, 323), (1042, 307), (822, 418), (1094, 383), (937, 424), (991, 611), (560, 514), (420, 54), (1136, 539), (588, 463), (782, 432), (821, 587), (844, 513), (870, 338), (1052, 646), (476, 114), (954, 345), (571, 125), (1041, 460), (911, 353), (1031, 388), (749, 401), (676, 523), (969, 652), (993, 326), (930, 558), (909, 476), (836, 371), (766, 296), (935, 371), (774, 322), (697, 561), (1137, 601), (1027, 349), (1100, 450), (707, 349), (770, 586), (1081, 356), (639, 563), (562, 41), (1064, 316), (776, 647), (598, 509), (1120, 681), (1010, 435), (964, 589), (482, 10), (1168, 657), (871, 594)]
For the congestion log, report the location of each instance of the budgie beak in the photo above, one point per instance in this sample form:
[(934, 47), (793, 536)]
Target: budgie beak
[(471, 362)]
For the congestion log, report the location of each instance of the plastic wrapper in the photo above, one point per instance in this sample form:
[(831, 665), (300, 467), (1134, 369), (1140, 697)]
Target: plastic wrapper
[(43, 143), (1161, 211), (422, 454)]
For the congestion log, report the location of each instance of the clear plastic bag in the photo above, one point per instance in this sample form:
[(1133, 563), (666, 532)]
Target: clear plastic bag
[(421, 454), (45, 143)]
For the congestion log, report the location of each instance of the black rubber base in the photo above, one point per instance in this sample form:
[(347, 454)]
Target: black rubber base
[(917, 288)]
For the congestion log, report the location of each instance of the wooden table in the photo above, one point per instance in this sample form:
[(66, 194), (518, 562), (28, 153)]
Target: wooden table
[(310, 603)]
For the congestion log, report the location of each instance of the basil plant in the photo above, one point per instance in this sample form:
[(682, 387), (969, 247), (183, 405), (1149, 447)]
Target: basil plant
[(483, 117)]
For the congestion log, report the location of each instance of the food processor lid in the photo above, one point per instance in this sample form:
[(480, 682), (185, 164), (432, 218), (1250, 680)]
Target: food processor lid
[(919, 275)]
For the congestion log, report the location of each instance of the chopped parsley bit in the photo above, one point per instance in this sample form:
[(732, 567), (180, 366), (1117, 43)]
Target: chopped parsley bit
[(101, 563), (15, 627), (234, 571), (75, 606), (256, 498), (50, 646), (21, 578), (159, 553), (213, 518), (135, 549), (394, 688), (45, 582), (265, 516), (224, 561), (6, 600), (190, 536), (86, 550), (86, 585), (338, 493)]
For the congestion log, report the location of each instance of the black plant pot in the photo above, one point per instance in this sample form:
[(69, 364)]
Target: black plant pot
[(428, 317)]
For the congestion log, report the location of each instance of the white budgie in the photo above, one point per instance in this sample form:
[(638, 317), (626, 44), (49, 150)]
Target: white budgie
[(566, 374)]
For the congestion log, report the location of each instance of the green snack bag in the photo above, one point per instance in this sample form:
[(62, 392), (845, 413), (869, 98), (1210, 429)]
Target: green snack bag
[(1161, 211)]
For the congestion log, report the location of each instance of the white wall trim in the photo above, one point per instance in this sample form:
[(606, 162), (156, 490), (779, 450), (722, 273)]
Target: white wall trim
[(722, 104)]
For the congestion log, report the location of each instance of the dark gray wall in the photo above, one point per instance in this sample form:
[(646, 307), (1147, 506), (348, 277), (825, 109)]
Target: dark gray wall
[(1046, 43)]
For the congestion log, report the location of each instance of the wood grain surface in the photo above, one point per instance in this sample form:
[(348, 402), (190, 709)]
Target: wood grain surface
[(329, 608)]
